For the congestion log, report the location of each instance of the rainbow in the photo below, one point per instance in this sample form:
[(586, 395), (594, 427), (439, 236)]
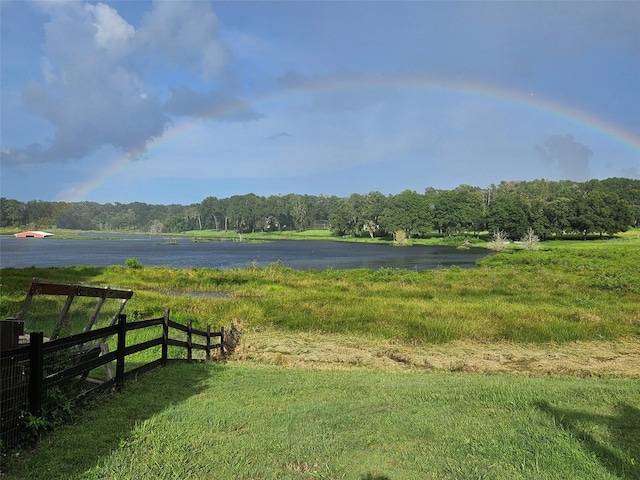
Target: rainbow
[(319, 85), (492, 92)]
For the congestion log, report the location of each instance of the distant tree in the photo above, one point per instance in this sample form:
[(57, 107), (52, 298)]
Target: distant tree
[(212, 213), (299, 212), (537, 218), (509, 213), (622, 215), (550, 208), (142, 214), (601, 212), (488, 195), (446, 212), (275, 214), (156, 227), (176, 222), (192, 212), (324, 206), (373, 205), (458, 210), (408, 211), (81, 216), (244, 211), (41, 214), (344, 220), (359, 215), (12, 213), (627, 189), (557, 215)]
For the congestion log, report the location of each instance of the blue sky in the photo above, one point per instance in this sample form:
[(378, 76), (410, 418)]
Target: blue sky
[(175, 101)]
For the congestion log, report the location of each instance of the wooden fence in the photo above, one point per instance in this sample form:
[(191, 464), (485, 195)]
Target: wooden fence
[(27, 372)]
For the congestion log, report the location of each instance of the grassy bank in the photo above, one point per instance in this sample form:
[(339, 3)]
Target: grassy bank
[(234, 421), (570, 308), (568, 291)]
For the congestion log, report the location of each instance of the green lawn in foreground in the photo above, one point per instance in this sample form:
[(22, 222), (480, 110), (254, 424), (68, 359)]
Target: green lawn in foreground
[(234, 421)]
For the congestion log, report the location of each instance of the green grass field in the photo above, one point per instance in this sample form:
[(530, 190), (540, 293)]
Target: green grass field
[(233, 421), (365, 374)]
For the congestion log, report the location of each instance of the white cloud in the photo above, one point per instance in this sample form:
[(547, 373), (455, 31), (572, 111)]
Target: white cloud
[(186, 33), (94, 92), (113, 33), (48, 71)]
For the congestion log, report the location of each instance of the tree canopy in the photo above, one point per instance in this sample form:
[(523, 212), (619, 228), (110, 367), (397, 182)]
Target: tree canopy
[(549, 208)]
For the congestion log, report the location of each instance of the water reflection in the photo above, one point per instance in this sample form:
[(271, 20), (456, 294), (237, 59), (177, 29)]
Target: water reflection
[(183, 253)]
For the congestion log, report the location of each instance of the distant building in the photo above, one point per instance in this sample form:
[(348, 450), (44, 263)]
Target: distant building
[(33, 234)]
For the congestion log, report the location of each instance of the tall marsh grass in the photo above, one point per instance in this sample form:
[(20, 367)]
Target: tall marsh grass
[(565, 291)]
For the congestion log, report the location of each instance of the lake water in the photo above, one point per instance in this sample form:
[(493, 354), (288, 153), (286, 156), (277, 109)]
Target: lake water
[(299, 255)]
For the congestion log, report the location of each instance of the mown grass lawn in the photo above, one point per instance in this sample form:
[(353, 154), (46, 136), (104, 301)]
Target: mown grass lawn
[(237, 421)]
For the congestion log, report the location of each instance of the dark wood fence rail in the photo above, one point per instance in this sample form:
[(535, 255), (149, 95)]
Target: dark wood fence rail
[(34, 366)]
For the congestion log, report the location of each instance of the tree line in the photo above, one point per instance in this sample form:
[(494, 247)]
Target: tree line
[(549, 208)]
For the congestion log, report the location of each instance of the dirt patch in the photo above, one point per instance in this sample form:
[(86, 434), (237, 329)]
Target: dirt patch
[(315, 350)]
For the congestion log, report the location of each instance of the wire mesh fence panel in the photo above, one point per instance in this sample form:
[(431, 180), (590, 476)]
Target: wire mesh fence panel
[(45, 378), (46, 313), (58, 360), (14, 395), (61, 388)]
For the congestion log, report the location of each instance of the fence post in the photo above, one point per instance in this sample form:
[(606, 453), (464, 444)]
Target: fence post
[(36, 373), (122, 344), (165, 337), (222, 341), (189, 353), (10, 331), (208, 342)]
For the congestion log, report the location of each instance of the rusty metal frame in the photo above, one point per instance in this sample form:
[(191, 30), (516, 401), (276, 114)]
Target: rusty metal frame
[(39, 287)]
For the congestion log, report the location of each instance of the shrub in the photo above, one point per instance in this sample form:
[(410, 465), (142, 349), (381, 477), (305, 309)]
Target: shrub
[(133, 263), (499, 241), (530, 240), (400, 237)]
